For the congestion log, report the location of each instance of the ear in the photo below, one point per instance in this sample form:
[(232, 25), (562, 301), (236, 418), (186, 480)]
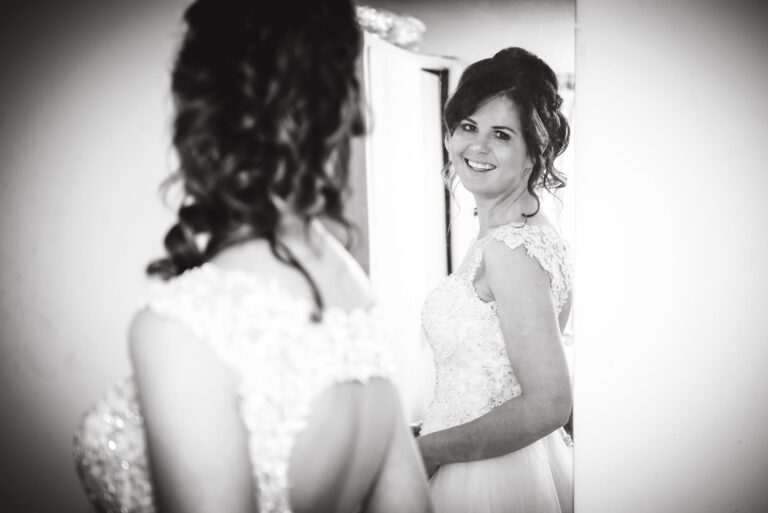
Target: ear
[(447, 142)]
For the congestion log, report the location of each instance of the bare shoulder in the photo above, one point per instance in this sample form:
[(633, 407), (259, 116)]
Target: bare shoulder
[(151, 333), (166, 349), (147, 325)]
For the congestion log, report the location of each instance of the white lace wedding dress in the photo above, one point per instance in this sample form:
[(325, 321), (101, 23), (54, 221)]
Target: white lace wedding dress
[(282, 360), (474, 375)]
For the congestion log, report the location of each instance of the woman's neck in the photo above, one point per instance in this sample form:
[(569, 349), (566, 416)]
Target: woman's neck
[(292, 233), (491, 213)]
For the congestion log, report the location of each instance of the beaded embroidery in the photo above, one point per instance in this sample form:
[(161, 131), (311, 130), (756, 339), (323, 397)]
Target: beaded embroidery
[(282, 364), (473, 371)]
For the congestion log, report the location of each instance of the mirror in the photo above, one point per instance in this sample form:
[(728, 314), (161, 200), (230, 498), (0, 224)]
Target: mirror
[(414, 231)]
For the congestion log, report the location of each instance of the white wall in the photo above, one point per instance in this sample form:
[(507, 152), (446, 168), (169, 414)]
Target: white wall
[(670, 373), (84, 145)]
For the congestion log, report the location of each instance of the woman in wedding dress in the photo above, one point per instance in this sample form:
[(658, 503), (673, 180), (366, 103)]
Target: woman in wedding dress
[(492, 439), (260, 379)]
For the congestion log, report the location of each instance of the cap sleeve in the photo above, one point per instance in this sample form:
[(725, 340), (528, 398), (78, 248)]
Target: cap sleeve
[(546, 247)]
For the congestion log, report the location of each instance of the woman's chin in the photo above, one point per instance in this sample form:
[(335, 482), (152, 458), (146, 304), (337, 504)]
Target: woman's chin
[(477, 185)]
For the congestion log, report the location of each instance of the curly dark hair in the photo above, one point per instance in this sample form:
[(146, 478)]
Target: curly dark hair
[(266, 99), (530, 83)]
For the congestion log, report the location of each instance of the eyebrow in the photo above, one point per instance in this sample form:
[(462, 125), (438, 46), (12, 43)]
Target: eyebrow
[(497, 127), (502, 127)]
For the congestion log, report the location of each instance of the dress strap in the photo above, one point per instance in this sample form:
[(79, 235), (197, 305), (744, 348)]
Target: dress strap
[(181, 299), (543, 245)]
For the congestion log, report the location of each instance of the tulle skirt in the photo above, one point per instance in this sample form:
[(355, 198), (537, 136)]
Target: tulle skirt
[(535, 479)]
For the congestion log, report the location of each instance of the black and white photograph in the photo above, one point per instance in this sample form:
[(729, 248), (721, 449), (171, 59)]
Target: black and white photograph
[(384, 256)]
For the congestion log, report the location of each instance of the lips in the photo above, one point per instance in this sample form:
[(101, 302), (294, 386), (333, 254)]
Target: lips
[(480, 167)]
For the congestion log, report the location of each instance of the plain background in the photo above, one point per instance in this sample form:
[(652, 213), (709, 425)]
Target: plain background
[(671, 247), (671, 347)]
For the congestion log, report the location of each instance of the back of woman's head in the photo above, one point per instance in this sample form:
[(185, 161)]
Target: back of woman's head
[(266, 99), (531, 84)]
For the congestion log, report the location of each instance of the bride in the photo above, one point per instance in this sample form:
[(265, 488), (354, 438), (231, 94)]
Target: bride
[(260, 381), (492, 439)]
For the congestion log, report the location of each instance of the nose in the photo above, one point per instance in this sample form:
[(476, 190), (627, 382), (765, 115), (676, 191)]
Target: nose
[(479, 144)]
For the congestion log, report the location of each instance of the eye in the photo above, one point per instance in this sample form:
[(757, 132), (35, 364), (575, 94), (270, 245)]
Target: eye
[(468, 127), (502, 135)]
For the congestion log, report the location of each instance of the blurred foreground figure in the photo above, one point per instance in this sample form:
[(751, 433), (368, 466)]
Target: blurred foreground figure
[(260, 382)]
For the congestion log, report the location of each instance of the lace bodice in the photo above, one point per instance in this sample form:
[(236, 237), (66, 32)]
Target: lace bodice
[(473, 371), (282, 361)]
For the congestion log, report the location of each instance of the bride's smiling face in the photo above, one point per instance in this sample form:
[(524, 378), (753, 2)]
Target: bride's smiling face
[(488, 149)]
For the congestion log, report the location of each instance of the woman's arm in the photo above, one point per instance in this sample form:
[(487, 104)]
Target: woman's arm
[(401, 483), (197, 445), (520, 287)]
